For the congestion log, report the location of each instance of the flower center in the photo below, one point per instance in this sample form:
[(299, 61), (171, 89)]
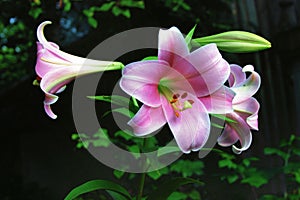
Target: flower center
[(179, 102)]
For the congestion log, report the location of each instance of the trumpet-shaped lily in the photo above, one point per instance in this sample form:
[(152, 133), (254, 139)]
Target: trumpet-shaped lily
[(245, 115), (56, 68), (170, 86)]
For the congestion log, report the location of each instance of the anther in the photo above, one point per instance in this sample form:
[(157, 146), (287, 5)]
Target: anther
[(190, 101), (176, 96), (184, 95)]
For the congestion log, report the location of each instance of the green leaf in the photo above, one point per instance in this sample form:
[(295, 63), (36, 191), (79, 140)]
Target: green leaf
[(227, 163), (106, 6), (126, 13), (35, 12), (296, 151), (118, 174), (123, 111), (114, 99), (102, 141), (151, 58), (219, 116), (124, 134), (135, 150), (75, 136), (167, 188), (92, 22), (255, 180), (168, 149), (158, 173), (189, 36), (216, 125), (187, 167), (67, 6), (232, 178), (97, 185), (117, 11), (194, 195), (177, 196), (272, 151), (130, 3), (236, 42), (88, 12), (116, 195), (247, 161)]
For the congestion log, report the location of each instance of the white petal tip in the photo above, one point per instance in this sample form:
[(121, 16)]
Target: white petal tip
[(248, 68), (237, 150)]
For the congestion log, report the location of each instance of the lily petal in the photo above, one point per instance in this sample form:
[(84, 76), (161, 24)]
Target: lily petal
[(205, 69), (239, 129), (191, 127), (250, 106), (55, 80), (49, 111), (171, 45), (247, 88), (228, 136), (147, 120), (236, 76), (141, 79), (219, 102)]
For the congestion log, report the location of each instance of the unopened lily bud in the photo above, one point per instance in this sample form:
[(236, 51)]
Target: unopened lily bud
[(236, 42)]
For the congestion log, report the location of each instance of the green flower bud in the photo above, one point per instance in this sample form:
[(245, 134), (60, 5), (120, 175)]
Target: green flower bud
[(236, 42)]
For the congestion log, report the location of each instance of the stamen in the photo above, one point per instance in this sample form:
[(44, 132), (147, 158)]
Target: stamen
[(190, 101), (177, 114), (184, 95), (176, 96), (173, 101)]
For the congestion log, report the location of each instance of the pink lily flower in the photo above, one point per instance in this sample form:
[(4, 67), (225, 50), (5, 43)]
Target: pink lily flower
[(170, 86), (245, 108), (56, 68)]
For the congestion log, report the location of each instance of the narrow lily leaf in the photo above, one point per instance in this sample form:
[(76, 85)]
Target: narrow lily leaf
[(97, 185), (223, 118), (166, 189), (151, 58), (115, 99), (216, 125), (189, 36), (116, 195), (236, 41), (168, 150), (123, 111)]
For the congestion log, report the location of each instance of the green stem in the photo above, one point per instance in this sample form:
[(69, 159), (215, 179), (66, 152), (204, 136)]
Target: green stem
[(141, 186)]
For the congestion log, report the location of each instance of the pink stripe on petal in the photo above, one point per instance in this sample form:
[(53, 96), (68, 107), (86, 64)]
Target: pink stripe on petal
[(171, 45), (219, 102), (191, 127), (147, 120)]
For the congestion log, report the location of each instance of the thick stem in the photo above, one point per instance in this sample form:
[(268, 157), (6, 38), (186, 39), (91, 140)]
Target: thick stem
[(141, 186)]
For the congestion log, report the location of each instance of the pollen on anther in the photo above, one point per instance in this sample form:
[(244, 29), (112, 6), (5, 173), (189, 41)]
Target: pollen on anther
[(173, 101), (176, 114), (176, 96), (190, 101), (184, 95)]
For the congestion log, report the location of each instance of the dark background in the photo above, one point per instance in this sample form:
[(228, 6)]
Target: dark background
[(38, 158)]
